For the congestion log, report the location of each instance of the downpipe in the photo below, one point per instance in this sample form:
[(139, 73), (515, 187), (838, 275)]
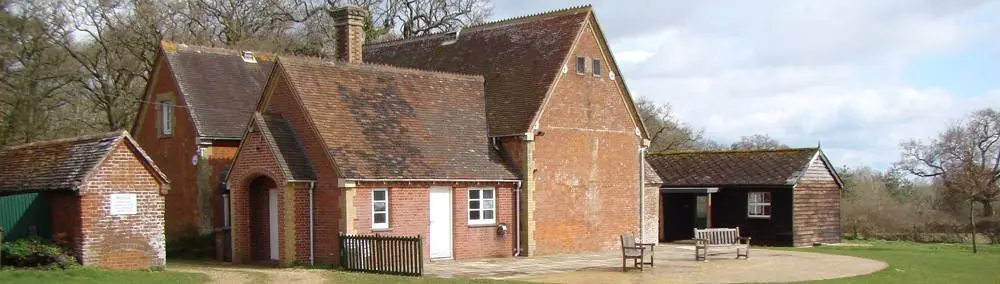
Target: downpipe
[(642, 191), (312, 247), (517, 219)]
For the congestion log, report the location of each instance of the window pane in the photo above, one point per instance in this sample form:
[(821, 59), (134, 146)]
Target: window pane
[(379, 218), (597, 67), (766, 210), (580, 65), (380, 206), (473, 215), (488, 194), (488, 214), (487, 204), (379, 195), (474, 204), (765, 197), (473, 194)]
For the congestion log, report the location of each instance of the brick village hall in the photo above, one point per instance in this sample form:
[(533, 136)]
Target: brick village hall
[(512, 137)]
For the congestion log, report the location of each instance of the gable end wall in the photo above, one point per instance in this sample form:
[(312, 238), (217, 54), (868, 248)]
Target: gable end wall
[(817, 206), (587, 169)]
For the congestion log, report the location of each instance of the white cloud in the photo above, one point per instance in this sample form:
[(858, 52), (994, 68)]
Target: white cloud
[(800, 71)]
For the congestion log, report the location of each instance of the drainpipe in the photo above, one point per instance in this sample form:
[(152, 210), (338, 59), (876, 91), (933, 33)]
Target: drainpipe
[(517, 219), (312, 256), (642, 190)]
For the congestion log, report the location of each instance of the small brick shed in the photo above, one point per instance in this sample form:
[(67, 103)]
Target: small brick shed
[(104, 196)]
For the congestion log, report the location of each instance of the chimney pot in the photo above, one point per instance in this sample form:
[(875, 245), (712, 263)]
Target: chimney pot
[(349, 22)]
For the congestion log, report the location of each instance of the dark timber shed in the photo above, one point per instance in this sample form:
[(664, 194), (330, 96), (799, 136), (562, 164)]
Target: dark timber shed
[(777, 197)]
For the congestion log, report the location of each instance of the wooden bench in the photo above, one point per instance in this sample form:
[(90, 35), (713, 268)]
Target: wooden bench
[(720, 238), (635, 251)]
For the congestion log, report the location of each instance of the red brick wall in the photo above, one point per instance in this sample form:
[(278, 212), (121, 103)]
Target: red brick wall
[(326, 193), (587, 163), (409, 215), (122, 241), (172, 154)]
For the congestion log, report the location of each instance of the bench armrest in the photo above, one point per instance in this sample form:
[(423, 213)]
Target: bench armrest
[(701, 241), (744, 240), (645, 244)]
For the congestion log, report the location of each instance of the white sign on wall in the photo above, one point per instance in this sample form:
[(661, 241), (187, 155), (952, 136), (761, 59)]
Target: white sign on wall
[(123, 204)]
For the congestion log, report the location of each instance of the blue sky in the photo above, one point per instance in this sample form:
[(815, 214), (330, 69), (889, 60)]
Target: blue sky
[(861, 76)]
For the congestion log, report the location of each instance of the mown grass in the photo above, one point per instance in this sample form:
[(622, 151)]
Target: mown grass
[(920, 263), (95, 275)]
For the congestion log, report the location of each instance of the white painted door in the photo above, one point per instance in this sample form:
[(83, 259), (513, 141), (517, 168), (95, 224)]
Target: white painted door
[(440, 215), (272, 214)]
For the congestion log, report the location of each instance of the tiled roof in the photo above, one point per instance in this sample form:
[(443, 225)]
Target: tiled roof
[(286, 146), (382, 122), (519, 59), (716, 168), (57, 164), (220, 89)]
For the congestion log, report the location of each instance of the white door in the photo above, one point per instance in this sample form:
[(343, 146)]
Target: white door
[(272, 215), (440, 231)]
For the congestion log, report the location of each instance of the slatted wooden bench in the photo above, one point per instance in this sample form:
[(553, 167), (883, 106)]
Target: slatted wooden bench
[(718, 238)]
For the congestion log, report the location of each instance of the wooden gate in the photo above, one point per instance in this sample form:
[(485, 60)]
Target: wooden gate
[(398, 255)]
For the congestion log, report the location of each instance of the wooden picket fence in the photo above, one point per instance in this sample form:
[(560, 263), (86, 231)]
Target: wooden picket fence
[(398, 255)]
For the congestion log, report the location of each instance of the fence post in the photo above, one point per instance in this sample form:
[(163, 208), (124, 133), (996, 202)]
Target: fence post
[(420, 255), (340, 239)]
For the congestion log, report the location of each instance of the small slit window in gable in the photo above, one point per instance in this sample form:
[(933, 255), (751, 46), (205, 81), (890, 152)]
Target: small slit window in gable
[(597, 67), (166, 118), (581, 65)]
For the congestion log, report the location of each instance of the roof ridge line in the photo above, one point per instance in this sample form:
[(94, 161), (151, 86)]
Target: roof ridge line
[(384, 67), (733, 151), (173, 46), (482, 25), (109, 134)]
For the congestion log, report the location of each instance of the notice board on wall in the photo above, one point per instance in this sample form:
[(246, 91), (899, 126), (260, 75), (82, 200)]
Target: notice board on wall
[(123, 204)]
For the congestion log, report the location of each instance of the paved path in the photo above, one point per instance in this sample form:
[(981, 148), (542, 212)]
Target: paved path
[(674, 264), (223, 273)]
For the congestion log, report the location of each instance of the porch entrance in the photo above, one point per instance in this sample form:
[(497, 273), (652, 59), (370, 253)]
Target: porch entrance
[(685, 209), (263, 220)]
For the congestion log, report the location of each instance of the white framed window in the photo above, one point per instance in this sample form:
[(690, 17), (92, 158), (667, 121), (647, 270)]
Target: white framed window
[(758, 204), (482, 206), (380, 208), (166, 118), (581, 65), (596, 68)]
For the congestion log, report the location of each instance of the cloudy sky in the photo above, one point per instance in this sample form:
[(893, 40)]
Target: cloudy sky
[(858, 75)]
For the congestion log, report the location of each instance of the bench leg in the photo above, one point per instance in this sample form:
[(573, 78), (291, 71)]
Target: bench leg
[(623, 264)]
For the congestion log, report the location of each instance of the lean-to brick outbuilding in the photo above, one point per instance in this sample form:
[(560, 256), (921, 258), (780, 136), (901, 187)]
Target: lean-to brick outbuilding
[(104, 197)]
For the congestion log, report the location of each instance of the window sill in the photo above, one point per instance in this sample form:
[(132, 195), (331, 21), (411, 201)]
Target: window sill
[(482, 225), (381, 230), (758, 217)]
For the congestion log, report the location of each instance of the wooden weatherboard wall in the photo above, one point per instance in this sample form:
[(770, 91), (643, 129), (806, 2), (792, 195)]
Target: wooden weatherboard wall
[(817, 206), (20, 212)]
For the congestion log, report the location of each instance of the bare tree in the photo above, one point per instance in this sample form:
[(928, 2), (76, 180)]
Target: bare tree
[(666, 132), (965, 159), (34, 78), (409, 18), (757, 142)]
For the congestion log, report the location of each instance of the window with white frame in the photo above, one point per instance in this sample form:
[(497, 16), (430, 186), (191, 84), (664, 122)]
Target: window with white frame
[(482, 206), (380, 208), (166, 118), (581, 65), (759, 204)]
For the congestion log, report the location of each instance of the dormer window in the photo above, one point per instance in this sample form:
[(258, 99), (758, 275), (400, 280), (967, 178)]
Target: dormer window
[(597, 68), (248, 57), (581, 65)]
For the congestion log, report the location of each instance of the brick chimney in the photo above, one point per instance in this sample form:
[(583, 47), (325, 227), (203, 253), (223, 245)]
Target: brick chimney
[(349, 22)]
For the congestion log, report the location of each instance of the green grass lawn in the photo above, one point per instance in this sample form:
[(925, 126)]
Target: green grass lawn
[(921, 263), (94, 275)]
